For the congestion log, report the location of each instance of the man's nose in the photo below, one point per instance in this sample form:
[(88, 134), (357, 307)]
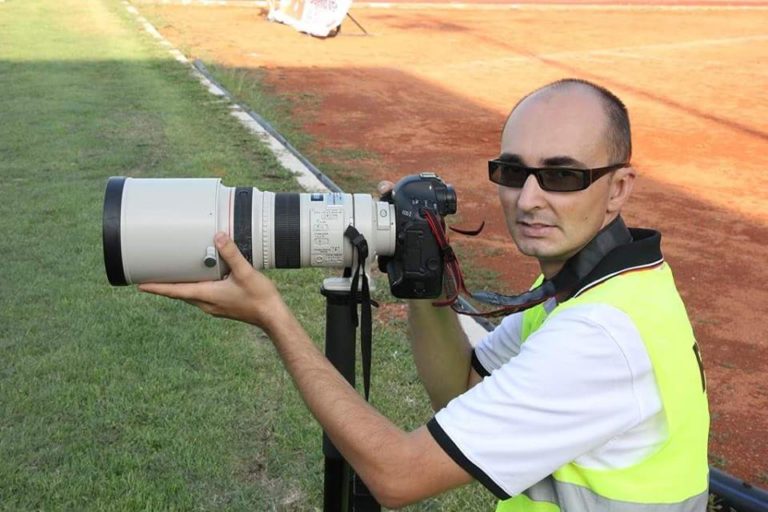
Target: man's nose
[(531, 195)]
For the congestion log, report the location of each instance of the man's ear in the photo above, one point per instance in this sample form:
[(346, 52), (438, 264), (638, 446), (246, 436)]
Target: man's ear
[(620, 189)]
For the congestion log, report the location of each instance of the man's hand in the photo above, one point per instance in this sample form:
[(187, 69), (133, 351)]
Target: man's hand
[(245, 295), (384, 187)]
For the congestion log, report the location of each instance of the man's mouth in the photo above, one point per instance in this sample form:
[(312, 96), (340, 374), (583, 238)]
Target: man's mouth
[(535, 229)]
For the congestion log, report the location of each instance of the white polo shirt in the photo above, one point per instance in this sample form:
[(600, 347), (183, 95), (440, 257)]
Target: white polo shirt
[(580, 389)]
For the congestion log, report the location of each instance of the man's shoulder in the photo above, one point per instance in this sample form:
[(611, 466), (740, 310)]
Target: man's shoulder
[(637, 292), (590, 318)]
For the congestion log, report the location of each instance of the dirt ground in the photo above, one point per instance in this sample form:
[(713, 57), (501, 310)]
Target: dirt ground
[(429, 89)]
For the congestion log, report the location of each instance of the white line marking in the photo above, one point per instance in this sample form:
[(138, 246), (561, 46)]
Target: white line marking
[(421, 6), (619, 51), (695, 43), (556, 7), (306, 179), (206, 3), (715, 66)]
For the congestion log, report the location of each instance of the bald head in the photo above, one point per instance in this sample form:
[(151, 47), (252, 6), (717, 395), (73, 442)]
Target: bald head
[(616, 133), (567, 125)]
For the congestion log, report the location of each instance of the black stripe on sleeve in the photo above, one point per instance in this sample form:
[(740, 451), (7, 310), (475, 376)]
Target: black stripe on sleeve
[(453, 452), (478, 366)]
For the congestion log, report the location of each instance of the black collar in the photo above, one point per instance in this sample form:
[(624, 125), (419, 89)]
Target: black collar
[(643, 251), (614, 250)]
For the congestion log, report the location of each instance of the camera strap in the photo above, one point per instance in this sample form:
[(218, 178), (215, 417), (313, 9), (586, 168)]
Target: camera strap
[(361, 294), (562, 285)]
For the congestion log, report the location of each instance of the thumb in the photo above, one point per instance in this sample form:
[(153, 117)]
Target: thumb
[(385, 186), (231, 254)]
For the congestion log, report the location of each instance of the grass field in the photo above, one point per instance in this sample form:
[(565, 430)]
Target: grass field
[(114, 400)]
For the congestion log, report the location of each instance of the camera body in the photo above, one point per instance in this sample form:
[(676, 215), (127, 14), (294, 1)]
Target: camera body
[(415, 271)]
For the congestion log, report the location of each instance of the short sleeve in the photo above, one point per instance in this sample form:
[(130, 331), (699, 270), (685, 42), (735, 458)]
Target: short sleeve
[(499, 346), (571, 388)]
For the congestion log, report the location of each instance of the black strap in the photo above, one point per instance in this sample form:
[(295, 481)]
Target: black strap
[(362, 295), (565, 282)]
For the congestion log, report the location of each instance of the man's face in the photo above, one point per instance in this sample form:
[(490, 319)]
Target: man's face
[(564, 127)]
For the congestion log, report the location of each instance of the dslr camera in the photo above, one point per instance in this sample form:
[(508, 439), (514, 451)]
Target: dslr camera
[(161, 230)]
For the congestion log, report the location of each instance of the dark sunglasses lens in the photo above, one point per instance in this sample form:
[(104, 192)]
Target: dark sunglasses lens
[(562, 180), (507, 175)]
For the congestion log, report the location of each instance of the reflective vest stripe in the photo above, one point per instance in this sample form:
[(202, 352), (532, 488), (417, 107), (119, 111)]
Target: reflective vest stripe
[(546, 496)]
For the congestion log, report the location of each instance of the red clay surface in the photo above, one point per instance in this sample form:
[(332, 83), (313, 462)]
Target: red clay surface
[(429, 90)]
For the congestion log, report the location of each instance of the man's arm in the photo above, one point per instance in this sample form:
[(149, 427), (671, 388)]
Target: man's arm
[(442, 352), (398, 467), (440, 348)]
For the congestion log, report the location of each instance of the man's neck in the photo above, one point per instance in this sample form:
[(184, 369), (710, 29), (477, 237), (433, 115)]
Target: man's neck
[(550, 268)]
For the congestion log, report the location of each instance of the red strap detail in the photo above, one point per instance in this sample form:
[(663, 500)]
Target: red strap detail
[(452, 272)]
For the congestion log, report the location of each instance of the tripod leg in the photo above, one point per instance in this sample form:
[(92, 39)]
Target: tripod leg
[(362, 499), (340, 351), (337, 487), (344, 490)]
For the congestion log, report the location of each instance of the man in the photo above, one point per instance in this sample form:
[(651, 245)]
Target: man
[(593, 400)]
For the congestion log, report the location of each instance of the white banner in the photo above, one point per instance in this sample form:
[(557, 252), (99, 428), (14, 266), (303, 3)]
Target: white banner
[(319, 18)]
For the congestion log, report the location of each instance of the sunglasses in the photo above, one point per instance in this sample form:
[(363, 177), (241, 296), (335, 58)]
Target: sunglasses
[(551, 179)]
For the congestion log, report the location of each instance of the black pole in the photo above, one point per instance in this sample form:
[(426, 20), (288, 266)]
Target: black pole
[(343, 490), (340, 351)]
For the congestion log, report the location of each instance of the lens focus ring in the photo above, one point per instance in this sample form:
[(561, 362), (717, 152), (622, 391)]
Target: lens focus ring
[(287, 230), (243, 227)]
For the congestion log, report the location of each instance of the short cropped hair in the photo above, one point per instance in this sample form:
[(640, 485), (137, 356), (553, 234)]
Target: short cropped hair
[(619, 136)]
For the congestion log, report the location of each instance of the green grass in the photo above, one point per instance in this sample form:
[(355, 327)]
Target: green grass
[(343, 165), (115, 400)]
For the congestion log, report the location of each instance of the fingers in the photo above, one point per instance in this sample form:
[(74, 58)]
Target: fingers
[(184, 291), (231, 254)]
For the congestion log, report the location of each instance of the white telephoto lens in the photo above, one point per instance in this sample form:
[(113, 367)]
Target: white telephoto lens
[(162, 230)]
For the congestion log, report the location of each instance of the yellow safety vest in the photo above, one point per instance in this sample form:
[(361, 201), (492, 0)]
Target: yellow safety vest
[(675, 477)]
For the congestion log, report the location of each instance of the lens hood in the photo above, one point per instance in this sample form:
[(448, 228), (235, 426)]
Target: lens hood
[(113, 257)]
